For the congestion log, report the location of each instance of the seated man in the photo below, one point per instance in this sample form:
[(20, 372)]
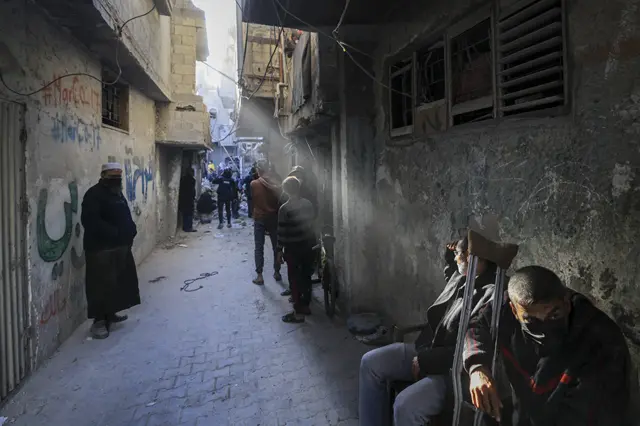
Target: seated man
[(206, 206), (428, 361), (567, 362)]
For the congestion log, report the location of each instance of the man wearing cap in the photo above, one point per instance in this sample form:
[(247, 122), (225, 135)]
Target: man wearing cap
[(109, 230)]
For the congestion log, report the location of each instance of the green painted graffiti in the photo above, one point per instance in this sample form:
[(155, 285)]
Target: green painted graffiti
[(48, 249)]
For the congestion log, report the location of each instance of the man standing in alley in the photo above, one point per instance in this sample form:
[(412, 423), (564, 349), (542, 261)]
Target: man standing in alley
[(226, 192), (296, 238), (186, 197), (109, 230), (265, 194)]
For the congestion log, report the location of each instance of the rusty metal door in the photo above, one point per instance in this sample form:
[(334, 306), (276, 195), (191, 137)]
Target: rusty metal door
[(14, 347)]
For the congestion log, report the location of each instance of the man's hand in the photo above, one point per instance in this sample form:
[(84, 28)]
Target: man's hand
[(452, 246), (279, 258), (415, 369), (484, 393)]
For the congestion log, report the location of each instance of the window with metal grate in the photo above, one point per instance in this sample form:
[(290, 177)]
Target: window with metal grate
[(531, 57), (115, 103)]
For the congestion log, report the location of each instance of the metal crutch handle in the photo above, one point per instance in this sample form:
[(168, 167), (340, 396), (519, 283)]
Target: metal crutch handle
[(502, 254)]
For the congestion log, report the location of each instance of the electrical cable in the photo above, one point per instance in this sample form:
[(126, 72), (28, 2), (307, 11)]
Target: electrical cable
[(190, 281), (77, 74), (344, 12), (220, 72), (344, 46)]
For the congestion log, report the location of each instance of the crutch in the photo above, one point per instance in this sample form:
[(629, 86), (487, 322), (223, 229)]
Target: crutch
[(502, 254)]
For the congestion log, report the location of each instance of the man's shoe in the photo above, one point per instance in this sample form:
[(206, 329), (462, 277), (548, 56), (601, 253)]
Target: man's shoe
[(228, 225), (115, 318), (287, 292), (192, 230), (220, 226), (99, 330), (259, 280), (277, 276), (291, 299)]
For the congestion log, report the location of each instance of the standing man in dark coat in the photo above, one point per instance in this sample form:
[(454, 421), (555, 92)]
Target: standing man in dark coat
[(567, 362), (186, 198), (109, 230)]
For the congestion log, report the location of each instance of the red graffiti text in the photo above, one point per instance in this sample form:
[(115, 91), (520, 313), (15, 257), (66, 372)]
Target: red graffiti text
[(56, 303), (71, 91)]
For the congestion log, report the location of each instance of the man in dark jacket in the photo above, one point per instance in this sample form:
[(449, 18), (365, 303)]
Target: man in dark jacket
[(111, 277), (567, 362), (265, 193), (186, 197), (429, 360), (226, 191)]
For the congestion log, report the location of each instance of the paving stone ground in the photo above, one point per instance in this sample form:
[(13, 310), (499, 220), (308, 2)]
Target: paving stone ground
[(218, 356)]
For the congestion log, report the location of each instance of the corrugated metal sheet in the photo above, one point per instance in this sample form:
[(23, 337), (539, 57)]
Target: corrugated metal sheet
[(14, 360)]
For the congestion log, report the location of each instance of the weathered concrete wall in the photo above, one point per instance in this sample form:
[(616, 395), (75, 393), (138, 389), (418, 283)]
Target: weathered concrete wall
[(565, 188), (145, 37), (66, 145)]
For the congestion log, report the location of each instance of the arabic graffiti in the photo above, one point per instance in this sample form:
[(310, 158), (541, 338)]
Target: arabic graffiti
[(51, 250), (134, 171)]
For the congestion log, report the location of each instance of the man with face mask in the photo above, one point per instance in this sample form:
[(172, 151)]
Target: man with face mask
[(428, 361), (111, 277), (567, 362)]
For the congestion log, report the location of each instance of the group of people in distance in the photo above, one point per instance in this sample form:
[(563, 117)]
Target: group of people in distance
[(567, 363)]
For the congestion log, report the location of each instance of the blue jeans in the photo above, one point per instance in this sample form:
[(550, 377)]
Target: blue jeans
[(260, 229), (414, 406)]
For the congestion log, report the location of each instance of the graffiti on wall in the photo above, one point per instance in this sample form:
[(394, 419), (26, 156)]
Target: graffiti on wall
[(56, 303), (73, 129), (72, 92), (51, 250), (134, 172)]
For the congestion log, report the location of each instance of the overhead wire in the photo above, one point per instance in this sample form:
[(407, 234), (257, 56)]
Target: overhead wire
[(344, 12), (344, 47), (78, 74)]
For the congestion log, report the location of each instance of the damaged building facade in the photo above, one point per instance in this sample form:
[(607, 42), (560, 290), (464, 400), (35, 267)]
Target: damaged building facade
[(518, 117), (79, 89)]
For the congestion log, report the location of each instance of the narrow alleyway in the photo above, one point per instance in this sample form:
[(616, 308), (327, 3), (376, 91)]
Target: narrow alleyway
[(217, 356)]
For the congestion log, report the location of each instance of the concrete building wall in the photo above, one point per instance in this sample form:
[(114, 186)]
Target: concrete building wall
[(260, 46), (66, 144), (565, 187), (145, 37)]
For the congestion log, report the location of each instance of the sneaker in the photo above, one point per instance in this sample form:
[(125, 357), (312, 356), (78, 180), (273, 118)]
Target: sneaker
[(293, 317), (277, 276), (220, 226), (287, 292), (99, 330)]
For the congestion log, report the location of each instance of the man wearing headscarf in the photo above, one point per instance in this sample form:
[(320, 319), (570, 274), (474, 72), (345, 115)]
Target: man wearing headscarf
[(111, 277)]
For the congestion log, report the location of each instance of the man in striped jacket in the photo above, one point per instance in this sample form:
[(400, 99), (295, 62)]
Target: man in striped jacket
[(296, 238)]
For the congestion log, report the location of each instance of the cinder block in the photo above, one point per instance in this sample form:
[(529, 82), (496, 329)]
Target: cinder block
[(182, 49), (185, 31), (176, 78), (189, 22), (189, 59), (184, 69), (189, 40)]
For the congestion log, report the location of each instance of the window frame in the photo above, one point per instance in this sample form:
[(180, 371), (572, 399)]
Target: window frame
[(491, 12), (411, 66), (455, 30), (124, 101), (436, 41)]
